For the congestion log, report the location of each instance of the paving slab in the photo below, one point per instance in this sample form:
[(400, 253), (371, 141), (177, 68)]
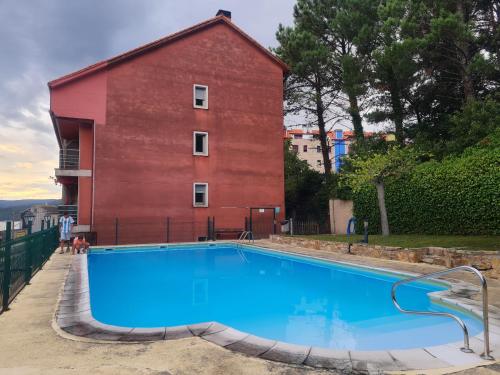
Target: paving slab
[(180, 332), (252, 345), (200, 328), (374, 360), (329, 358), (453, 355), (145, 334), (288, 353), (417, 359), (225, 337)]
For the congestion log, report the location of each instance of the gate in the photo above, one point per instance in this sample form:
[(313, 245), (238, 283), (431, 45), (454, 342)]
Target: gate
[(262, 222)]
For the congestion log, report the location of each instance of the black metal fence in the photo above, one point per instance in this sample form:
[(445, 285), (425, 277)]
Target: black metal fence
[(307, 227), (124, 231), (21, 258)]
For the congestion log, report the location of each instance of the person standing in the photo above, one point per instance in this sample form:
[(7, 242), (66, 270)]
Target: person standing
[(65, 226)]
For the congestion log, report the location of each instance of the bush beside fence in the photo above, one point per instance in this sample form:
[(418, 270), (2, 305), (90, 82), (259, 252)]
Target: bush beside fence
[(20, 259)]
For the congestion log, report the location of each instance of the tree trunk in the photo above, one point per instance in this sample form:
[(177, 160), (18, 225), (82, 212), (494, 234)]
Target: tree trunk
[(356, 117), (465, 58), (468, 86), (327, 163), (381, 205), (397, 111)]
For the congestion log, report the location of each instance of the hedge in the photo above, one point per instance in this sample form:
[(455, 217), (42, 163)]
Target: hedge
[(459, 195)]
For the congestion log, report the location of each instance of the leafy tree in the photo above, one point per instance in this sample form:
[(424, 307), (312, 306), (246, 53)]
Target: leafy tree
[(477, 120), (395, 67), (310, 87), (376, 169), (345, 28)]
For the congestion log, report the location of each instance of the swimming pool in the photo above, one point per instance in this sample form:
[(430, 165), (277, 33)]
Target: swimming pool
[(273, 295)]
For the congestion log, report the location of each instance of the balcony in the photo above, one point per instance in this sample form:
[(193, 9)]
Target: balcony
[(69, 164), (69, 158)]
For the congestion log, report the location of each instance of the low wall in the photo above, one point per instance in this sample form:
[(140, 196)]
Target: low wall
[(486, 261)]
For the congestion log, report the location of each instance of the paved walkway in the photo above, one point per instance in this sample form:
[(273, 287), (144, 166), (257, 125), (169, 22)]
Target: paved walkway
[(29, 345)]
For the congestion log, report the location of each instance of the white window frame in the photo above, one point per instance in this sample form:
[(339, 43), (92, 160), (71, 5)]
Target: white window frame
[(196, 205), (205, 153), (194, 96)]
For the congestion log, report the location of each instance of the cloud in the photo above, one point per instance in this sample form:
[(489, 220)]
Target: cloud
[(11, 148), (42, 40), (25, 165)]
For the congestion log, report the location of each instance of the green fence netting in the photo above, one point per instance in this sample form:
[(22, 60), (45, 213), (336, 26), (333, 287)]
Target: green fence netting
[(20, 259)]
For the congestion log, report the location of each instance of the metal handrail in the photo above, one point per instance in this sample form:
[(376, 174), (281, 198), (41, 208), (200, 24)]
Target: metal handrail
[(69, 158), (244, 235), (484, 289)]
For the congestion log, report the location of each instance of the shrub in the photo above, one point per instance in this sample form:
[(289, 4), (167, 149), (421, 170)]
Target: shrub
[(459, 195)]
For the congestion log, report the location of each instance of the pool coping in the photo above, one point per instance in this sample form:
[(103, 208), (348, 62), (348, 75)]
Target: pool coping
[(74, 317)]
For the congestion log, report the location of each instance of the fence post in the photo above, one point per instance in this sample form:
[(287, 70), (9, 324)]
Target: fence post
[(214, 235), (168, 229), (28, 266), (6, 268), (116, 231), (250, 224), (291, 226), (45, 249), (209, 228), (274, 221)]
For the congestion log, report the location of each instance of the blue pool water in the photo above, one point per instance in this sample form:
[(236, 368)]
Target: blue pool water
[(277, 296)]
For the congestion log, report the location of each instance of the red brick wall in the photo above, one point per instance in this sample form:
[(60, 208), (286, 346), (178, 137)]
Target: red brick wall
[(144, 163)]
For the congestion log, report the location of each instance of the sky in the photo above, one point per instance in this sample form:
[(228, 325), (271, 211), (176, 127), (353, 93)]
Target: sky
[(41, 40)]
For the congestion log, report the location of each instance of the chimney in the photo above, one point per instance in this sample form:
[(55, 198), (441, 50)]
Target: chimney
[(224, 13)]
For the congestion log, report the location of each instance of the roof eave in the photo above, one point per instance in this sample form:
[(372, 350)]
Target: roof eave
[(56, 127)]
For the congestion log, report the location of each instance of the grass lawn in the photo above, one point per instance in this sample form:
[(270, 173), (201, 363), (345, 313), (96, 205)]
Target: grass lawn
[(420, 240)]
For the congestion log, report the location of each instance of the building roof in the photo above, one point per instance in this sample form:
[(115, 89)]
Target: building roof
[(346, 134), (221, 19)]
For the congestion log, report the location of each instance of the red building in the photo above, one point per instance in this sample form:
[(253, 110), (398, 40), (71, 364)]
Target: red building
[(166, 133)]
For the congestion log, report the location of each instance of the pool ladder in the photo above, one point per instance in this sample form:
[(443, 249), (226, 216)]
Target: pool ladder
[(484, 289), (246, 235)]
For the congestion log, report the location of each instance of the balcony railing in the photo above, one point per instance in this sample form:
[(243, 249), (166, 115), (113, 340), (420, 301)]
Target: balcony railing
[(69, 158), (71, 209)]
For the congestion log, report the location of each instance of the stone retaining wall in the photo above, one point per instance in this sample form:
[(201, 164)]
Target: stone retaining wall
[(486, 261)]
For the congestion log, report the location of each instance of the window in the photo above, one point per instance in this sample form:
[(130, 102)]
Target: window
[(200, 194), (200, 143), (200, 96), (305, 148), (318, 148), (295, 148)]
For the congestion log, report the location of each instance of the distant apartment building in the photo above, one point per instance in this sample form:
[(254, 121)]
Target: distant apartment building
[(308, 147), (161, 132)]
